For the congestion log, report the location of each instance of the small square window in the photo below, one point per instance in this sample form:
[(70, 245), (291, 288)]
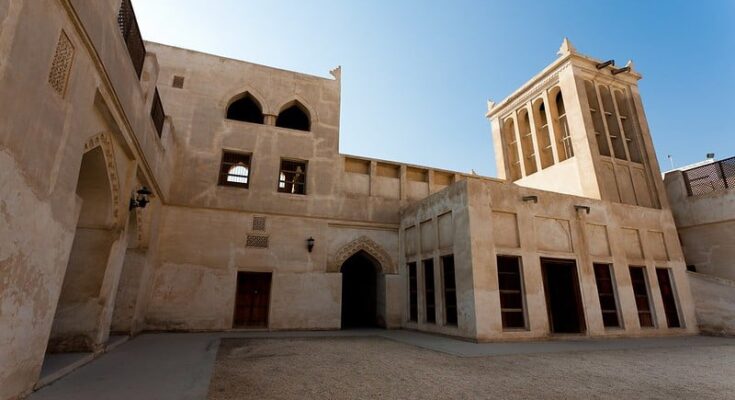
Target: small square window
[(235, 169), (178, 82), (292, 177)]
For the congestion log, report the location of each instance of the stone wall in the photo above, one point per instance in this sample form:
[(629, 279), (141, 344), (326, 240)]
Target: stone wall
[(714, 300), (65, 94)]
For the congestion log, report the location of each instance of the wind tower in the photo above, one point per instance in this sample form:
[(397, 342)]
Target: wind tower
[(578, 127)]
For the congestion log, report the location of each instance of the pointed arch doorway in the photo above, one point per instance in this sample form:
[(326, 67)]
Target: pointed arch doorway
[(361, 290)]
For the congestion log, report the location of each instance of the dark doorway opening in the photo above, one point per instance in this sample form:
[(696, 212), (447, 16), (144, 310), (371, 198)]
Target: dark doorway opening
[(252, 300), (668, 296), (359, 292), (563, 299)]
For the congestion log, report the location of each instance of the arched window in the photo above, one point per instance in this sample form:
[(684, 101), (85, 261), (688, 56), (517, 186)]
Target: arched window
[(542, 130), (247, 109), (529, 156), (511, 149), (565, 137), (238, 174), (294, 116)]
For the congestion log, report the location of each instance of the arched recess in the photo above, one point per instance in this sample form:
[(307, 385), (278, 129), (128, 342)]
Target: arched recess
[(77, 324), (543, 134), (363, 292), (563, 138), (294, 115), (245, 107), (103, 143), (369, 246)]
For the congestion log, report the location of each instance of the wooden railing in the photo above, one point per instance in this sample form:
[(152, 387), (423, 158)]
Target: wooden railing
[(131, 34)]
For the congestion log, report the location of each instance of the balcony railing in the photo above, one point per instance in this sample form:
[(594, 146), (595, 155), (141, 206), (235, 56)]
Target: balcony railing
[(157, 113), (719, 175), (131, 34)]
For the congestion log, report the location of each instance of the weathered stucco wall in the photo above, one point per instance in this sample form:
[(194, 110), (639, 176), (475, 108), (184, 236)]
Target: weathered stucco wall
[(714, 300), (706, 225), (53, 113)]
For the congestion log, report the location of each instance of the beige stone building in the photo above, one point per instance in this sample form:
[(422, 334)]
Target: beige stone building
[(147, 187)]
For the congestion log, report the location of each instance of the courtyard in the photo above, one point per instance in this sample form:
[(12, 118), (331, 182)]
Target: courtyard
[(399, 364)]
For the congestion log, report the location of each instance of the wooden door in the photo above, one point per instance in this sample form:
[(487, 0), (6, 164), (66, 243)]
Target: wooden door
[(252, 300)]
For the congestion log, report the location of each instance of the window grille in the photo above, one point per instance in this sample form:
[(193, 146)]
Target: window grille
[(61, 64), (235, 170), (292, 178), (178, 82), (258, 241), (259, 223)]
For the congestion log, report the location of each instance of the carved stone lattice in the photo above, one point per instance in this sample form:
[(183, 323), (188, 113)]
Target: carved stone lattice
[(61, 65), (369, 246), (258, 241), (102, 140), (259, 223)]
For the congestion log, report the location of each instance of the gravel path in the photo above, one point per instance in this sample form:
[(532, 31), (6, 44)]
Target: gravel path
[(376, 368)]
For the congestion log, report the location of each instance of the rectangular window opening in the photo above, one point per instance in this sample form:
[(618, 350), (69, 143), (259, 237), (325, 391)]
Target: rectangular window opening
[(450, 290), (413, 300), (292, 177), (178, 82), (606, 293), (235, 169), (668, 296), (510, 285), (429, 291), (640, 290)]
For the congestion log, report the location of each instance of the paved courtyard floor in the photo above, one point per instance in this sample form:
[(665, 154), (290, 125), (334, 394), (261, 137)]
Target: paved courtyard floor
[(399, 364)]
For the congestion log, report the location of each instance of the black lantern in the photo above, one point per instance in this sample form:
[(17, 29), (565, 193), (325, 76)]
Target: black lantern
[(310, 243), (140, 198)]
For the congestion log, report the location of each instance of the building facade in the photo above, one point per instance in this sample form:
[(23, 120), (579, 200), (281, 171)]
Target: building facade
[(149, 187)]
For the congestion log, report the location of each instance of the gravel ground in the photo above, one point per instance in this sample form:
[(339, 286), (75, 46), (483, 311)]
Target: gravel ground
[(376, 368)]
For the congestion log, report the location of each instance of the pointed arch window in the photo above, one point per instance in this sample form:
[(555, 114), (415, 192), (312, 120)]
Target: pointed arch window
[(246, 109), (294, 116)]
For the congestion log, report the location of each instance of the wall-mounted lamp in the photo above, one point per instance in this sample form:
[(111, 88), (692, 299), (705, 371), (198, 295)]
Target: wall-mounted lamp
[(585, 208), (620, 70), (310, 243), (140, 198), (532, 198), (605, 64)]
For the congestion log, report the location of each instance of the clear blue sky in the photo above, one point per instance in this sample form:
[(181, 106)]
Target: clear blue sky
[(417, 74)]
